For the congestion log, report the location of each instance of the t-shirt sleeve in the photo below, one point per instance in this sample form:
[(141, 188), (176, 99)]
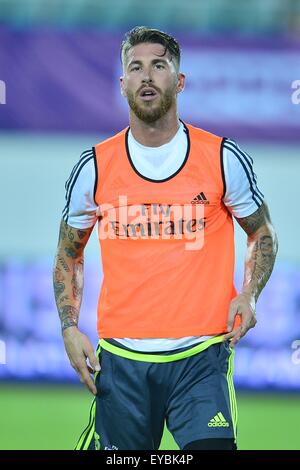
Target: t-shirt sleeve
[(80, 209), (242, 195)]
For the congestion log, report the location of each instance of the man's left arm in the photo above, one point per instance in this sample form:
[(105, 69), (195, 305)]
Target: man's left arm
[(262, 246)]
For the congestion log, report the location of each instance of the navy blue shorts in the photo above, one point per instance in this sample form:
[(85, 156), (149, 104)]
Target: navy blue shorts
[(194, 396)]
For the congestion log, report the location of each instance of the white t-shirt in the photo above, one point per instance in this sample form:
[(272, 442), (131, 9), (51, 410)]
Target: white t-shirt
[(242, 198)]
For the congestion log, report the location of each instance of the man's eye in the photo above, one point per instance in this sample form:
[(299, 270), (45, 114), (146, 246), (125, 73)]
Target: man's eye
[(135, 68), (160, 66)]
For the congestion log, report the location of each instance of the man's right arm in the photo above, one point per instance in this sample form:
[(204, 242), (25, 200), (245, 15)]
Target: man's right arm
[(68, 287)]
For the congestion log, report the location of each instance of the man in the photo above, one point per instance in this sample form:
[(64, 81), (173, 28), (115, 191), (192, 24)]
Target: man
[(164, 193)]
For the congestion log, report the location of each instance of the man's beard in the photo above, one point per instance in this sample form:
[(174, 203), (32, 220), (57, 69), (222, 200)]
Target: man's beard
[(150, 113)]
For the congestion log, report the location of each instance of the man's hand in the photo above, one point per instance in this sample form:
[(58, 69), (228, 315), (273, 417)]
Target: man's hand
[(244, 305), (79, 348)]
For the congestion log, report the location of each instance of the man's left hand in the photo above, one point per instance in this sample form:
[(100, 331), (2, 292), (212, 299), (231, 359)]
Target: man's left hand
[(243, 305)]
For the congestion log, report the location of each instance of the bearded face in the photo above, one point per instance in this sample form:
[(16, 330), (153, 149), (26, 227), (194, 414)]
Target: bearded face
[(150, 81)]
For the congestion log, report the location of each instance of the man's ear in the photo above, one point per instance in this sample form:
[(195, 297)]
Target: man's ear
[(181, 82), (123, 92)]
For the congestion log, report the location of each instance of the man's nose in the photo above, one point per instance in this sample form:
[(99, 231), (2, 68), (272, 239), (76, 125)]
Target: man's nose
[(147, 78)]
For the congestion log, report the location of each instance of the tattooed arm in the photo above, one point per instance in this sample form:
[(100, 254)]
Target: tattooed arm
[(68, 288), (262, 248)]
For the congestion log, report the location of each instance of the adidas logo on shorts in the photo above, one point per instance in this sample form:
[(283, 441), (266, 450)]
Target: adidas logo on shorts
[(218, 421)]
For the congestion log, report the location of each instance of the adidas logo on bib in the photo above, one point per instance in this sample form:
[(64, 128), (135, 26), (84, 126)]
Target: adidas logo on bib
[(200, 199)]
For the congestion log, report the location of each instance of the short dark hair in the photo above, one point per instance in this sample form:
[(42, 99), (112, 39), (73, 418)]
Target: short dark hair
[(142, 34)]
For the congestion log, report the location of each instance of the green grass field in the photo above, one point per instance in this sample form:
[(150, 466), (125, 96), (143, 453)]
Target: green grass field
[(52, 417)]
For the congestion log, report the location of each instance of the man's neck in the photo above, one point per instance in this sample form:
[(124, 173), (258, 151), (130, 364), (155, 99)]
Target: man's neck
[(157, 133)]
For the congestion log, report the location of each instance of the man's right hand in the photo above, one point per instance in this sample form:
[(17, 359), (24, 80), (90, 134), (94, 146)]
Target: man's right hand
[(79, 349)]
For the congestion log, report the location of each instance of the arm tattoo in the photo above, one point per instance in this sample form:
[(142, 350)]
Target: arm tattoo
[(261, 253), (63, 299), (81, 234), (59, 288), (254, 221), (68, 316), (68, 273), (70, 252), (64, 264), (70, 236), (78, 245)]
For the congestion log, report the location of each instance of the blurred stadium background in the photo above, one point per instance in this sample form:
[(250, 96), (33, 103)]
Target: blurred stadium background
[(59, 95)]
